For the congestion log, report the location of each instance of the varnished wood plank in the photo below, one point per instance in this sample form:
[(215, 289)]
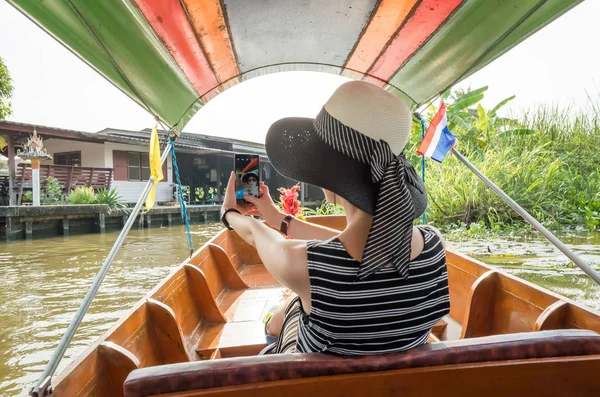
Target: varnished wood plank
[(204, 299), (88, 372), (118, 362), (554, 317), (137, 335), (439, 328), (232, 334), (460, 282), (205, 262), (481, 302), (242, 351), (332, 221), (169, 335), (205, 354), (228, 272), (180, 295), (432, 338), (257, 276), (216, 355), (581, 317)]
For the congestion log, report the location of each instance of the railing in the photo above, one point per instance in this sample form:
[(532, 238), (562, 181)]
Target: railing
[(67, 175)]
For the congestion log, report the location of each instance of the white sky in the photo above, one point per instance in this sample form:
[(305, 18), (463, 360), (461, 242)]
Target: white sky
[(558, 65)]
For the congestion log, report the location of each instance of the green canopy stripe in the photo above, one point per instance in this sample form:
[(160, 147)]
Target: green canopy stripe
[(460, 44)]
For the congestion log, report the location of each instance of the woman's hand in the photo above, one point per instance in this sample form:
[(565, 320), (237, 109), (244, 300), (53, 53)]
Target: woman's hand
[(230, 202), (264, 205)]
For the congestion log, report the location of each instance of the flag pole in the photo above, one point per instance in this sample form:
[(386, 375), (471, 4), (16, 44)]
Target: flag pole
[(424, 216), (587, 269)]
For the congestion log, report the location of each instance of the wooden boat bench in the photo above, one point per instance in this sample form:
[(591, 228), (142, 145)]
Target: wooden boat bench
[(416, 372)]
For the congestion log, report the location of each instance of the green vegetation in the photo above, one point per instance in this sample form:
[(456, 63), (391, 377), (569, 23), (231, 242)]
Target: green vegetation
[(52, 193), (547, 160), (82, 195), (326, 208), (6, 91), (110, 198), (86, 195)]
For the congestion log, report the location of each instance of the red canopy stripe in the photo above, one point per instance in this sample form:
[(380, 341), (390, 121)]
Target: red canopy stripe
[(169, 21), (383, 25), (211, 28), (427, 18)]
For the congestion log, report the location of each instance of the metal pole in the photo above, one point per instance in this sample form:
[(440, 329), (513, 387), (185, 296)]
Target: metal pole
[(12, 197), (538, 226), (42, 387), (424, 216)]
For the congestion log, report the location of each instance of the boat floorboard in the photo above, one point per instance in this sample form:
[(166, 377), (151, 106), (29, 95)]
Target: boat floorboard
[(256, 276), (244, 311)]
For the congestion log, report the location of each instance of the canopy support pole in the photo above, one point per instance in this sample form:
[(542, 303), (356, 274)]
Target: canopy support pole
[(10, 153), (587, 269), (43, 385)]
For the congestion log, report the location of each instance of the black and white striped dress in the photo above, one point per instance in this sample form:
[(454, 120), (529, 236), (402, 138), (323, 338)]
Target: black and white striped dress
[(381, 314)]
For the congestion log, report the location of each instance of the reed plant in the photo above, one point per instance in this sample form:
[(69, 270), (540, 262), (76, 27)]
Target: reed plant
[(547, 159)]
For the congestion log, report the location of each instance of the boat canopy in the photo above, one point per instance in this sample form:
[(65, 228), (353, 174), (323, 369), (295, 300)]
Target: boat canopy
[(172, 56)]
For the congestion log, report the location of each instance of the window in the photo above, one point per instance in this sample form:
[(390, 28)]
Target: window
[(133, 166), (135, 173), (68, 158)]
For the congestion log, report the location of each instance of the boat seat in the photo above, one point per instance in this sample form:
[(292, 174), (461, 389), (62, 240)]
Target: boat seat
[(239, 371)]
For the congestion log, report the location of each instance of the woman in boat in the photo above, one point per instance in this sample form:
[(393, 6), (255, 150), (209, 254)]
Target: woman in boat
[(378, 286)]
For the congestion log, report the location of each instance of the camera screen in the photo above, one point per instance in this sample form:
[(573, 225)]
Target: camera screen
[(247, 175)]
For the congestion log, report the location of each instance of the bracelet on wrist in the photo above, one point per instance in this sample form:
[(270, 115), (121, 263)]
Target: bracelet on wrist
[(285, 224), (224, 221)]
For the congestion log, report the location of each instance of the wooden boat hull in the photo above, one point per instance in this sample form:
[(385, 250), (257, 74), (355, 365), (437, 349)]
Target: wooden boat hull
[(211, 307)]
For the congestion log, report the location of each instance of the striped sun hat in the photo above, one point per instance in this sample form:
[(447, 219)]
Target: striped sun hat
[(354, 148)]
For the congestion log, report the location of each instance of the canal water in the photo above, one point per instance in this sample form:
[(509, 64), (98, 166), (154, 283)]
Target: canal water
[(42, 283)]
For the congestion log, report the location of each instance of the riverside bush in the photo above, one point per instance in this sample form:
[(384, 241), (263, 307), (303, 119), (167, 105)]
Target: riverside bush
[(546, 159)]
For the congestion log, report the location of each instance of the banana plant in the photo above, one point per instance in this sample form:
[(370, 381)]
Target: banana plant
[(472, 123)]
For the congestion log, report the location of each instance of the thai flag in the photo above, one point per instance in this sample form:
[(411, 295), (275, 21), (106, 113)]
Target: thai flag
[(438, 139)]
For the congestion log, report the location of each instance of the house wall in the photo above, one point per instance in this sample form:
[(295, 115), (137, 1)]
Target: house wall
[(130, 191), (92, 154), (101, 155)]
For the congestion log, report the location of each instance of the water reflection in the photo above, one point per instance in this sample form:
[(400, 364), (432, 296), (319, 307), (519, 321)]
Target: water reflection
[(536, 260), (43, 282)]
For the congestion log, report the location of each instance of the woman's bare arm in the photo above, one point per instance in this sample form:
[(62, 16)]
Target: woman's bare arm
[(286, 260), (297, 229), (300, 229)]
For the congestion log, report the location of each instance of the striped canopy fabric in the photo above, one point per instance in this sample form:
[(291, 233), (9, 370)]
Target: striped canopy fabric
[(172, 56)]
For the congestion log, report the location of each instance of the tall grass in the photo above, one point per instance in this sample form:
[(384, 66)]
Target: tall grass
[(553, 171)]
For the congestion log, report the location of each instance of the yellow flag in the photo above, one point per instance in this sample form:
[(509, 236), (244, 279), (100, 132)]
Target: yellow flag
[(3, 143), (155, 167)]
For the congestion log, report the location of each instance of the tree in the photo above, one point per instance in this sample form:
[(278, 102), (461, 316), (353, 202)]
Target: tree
[(472, 123), (6, 91)]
